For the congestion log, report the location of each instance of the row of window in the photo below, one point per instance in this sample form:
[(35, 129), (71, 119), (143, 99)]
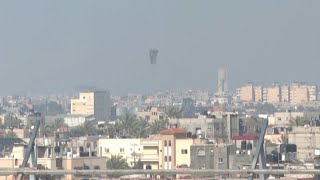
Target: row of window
[(106, 150), (166, 158), (167, 143)]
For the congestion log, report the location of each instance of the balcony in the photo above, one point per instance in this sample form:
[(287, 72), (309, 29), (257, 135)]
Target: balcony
[(149, 157), (149, 142)]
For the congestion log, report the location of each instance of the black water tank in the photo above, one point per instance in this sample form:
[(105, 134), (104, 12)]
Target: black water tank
[(283, 148), (189, 134), (243, 145), (291, 148), (249, 146)]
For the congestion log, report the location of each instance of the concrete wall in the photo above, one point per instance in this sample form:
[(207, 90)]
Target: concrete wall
[(123, 147), (183, 144)]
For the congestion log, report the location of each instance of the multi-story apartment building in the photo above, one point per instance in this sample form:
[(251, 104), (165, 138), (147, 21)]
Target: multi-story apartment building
[(152, 113), (130, 149), (175, 148), (298, 93), (313, 92), (47, 159), (307, 140), (285, 93), (258, 94), (282, 119), (168, 150), (247, 93), (273, 94), (96, 103)]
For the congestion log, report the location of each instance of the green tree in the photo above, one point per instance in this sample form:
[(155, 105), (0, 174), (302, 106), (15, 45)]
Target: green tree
[(87, 128), (298, 121), (173, 112), (113, 129), (128, 123), (138, 165), (117, 162), (48, 130), (58, 123), (141, 128), (158, 125)]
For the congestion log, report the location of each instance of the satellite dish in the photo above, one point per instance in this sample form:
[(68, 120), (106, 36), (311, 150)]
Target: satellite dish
[(153, 53)]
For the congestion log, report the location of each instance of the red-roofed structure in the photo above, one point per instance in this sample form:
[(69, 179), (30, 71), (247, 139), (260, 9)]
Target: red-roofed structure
[(245, 137), (173, 131)]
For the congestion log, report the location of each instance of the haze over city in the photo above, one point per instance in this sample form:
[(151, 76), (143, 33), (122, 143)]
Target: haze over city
[(159, 89), (55, 46)]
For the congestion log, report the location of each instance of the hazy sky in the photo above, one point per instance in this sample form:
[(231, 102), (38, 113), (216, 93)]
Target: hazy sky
[(49, 46)]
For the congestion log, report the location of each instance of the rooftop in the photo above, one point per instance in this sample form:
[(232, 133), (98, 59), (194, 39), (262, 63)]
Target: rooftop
[(244, 137), (172, 131)]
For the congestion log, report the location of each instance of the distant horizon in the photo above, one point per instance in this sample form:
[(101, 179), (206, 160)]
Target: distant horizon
[(56, 46), (77, 90)]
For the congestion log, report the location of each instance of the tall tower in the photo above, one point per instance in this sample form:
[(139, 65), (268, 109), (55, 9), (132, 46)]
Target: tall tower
[(222, 82)]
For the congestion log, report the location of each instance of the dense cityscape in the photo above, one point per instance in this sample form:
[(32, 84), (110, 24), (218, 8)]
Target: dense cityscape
[(159, 89), (182, 129)]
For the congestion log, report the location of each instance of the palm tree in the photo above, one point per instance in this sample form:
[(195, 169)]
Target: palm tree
[(48, 130), (298, 121), (128, 122), (87, 128), (117, 162), (173, 112), (158, 125), (58, 123), (113, 129), (141, 128)]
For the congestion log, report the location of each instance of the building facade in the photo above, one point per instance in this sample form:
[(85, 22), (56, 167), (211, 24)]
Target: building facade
[(247, 93), (96, 103)]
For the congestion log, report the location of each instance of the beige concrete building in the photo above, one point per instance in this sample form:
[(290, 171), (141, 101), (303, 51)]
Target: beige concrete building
[(96, 103), (175, 148), (258, 94), (169, 150), (298, 93), (247, 93), (48, 161), (285, 93), (273, 94), (307, 140), (282, 119), (313, 92), (152, 113), (130, 149)]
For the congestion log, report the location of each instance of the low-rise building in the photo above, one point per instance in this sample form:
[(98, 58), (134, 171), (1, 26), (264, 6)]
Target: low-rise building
[(152, 113)]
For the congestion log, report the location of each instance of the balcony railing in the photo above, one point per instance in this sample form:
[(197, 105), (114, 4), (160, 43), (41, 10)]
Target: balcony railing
[(150, 157), (149, 142)]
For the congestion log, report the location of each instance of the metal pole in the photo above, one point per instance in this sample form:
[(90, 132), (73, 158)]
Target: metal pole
[(120, 172)]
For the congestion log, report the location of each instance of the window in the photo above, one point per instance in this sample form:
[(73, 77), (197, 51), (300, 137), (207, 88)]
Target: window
[(165, 158), (121, 150), (220, 160), (169, 143), (201, 152), (165, 143), (169, 158), (106, 150), (184, 151)]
